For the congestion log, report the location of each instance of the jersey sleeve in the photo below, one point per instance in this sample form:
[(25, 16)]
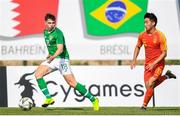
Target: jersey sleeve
[(139, 42), (163, 43), (60, 37)]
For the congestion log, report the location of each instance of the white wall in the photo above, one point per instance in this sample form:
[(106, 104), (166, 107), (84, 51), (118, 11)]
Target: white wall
[(129, 84)]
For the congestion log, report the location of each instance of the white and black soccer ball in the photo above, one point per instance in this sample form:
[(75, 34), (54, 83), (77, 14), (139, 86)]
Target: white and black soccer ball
[(25, 103)]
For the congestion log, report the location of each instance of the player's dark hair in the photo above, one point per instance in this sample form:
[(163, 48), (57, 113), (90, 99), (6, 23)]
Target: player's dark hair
[(50, 16), (151, 16)]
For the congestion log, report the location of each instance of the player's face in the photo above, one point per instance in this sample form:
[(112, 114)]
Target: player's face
[(50, 24), (148, 24)]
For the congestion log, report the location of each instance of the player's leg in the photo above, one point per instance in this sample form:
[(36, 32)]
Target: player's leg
[(157, 73), (41, 71), (160, 79), (149, 91), (70, 79), (170, 75), (153, 78), (153, 81)]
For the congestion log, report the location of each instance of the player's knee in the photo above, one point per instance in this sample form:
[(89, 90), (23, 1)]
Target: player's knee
[(70, 80), (71, 83), (38, 74), (150, 85)]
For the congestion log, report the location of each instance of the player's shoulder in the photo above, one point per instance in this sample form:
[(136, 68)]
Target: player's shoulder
[(142, 34), (159, 32), (58, 31), (160, 35), (45, 30)]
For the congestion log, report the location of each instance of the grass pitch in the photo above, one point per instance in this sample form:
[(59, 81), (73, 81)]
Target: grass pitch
[(89, 111)]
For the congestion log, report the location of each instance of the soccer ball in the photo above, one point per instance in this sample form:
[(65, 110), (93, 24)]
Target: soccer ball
[(25, 103)]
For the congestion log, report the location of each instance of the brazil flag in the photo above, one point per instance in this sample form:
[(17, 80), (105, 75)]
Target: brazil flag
[(109, 17)]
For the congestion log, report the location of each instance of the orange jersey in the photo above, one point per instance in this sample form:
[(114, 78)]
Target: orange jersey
[(155, 72), (154, 44)]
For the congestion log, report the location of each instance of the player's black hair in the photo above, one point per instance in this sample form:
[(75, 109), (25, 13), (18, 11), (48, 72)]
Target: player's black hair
[(151, 16), (50, 16)]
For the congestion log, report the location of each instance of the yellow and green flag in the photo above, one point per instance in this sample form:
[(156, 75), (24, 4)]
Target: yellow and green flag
[(109, 17)]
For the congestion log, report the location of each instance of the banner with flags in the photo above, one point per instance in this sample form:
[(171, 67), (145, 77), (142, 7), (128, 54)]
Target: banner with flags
[(109, 17), (93, 29)]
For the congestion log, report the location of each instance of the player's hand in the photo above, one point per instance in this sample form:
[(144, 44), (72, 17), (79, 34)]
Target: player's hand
[(50, 59), (133, 64), (150, 66), (47, 56)]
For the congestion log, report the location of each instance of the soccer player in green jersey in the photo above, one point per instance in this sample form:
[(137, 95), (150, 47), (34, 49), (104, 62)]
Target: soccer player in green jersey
[(58, 59)]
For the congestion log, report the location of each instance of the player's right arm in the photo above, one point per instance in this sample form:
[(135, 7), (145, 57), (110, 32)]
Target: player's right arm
[(48, 56), (136, 52)]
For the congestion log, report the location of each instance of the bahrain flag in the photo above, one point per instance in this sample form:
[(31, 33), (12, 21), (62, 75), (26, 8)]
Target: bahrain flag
[(24, 17)]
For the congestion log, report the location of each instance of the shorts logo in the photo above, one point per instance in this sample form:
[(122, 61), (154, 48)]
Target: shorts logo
[(64, 67)]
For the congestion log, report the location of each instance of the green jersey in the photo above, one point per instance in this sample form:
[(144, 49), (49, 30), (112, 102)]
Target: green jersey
[(52, 39)]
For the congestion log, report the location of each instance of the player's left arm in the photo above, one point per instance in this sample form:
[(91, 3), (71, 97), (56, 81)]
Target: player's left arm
[(163, 47), (161, 57), (58, 52)]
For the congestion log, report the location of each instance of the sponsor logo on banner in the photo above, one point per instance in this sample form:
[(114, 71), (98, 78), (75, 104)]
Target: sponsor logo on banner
[(28, 86), (25, 17), (23, 84), (109, 17)]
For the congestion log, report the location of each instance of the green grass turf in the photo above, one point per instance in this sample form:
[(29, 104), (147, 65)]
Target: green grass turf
[(89, 111)]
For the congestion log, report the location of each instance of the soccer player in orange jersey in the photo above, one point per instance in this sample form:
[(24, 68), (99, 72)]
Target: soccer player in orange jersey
[(154, 42)]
